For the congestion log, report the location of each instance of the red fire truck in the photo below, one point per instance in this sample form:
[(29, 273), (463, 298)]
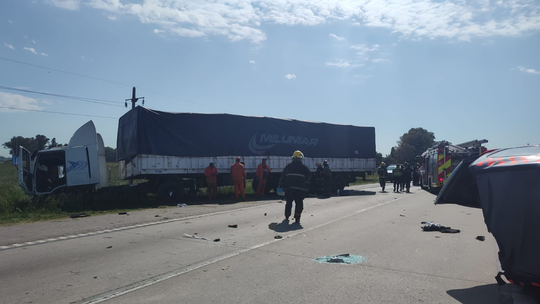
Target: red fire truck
[(438, 162)]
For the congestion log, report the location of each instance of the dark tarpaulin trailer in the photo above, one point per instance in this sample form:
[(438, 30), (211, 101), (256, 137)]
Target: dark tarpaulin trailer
[(146, 131), (508, 185)]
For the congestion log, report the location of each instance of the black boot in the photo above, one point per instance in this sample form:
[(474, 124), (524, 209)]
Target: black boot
[(297, 219)]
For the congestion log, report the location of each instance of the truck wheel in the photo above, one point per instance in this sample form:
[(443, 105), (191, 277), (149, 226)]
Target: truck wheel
[(170, 191), (339, 182), (254, 184)]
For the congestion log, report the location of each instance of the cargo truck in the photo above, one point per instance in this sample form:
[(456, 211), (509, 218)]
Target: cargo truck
[(171, 150)]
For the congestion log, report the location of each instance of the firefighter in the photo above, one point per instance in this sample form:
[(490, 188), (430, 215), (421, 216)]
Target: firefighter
[(238, 175), (327, 177), (416, 170), (295, 180), (318, 180), (397, 175), (263, 170), (382, 175), (407, 175), (211, 179)]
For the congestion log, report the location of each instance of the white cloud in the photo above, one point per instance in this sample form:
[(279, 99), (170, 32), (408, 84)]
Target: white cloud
[(526, 70), (33, 41), (9, 46), (31, 50), (111, 17), (337, 37), (378, 60), (71, 5), (156, 31), (46, 102), (43, 54), (343, 64), (252, 61), (18, 101), (411, 19), (10, 21), (290, 76)]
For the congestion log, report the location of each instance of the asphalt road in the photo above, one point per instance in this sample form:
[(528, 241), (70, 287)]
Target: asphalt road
[(141, 258)]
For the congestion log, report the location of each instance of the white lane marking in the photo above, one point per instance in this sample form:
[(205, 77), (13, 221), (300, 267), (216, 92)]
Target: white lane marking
[(63, 238), (163, 277)]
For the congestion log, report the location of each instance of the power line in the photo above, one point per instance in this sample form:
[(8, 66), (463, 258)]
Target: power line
[(109, 81), (85, 99), (53, 112)]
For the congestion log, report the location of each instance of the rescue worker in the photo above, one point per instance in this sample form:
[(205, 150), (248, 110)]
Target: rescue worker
[(238, 175), (318, 179), (402, 185), (327, 176), (397, 175), (382, 175), (295, 181), (408, 171), (263, 170), (416, 170), (211, 179)]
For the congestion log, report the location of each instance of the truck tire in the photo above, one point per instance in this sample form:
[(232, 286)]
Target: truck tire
[(339, 182), (254, 184), (170, 192)]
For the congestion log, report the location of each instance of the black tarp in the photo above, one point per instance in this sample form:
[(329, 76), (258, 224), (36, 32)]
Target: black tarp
[(508, 184), (146, 131)]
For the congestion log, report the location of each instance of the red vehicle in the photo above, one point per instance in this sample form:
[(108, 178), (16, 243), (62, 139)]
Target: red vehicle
[(438, 162)]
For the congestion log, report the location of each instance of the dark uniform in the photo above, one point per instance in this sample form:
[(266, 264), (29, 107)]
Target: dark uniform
[(415, 174), (318, 180), (382, 176), (407, 177), (294, 180), (327, 176), (397, 175)]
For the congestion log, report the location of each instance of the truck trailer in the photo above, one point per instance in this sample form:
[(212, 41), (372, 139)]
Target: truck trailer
[(171, 150)]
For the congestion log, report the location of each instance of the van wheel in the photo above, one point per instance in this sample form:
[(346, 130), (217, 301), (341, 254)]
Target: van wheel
[(170, 192)]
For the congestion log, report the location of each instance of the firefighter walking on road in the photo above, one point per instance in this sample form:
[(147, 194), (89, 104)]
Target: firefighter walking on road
[(238, 175), (318, 180), (295, 181), (211, 179), (382, 175), (263, 170), (327, 176), (407, 176), (397, 175)]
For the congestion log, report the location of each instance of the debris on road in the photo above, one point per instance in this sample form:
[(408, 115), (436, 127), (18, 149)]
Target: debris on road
[(233, 226), (265, 214), (157, 215), (431, 226), (217, 240), (278, 237), (481, 238), (182, 205), (122, 213), (193, 236), (77, 215), (403, 215), (341, 259), (109, 247)]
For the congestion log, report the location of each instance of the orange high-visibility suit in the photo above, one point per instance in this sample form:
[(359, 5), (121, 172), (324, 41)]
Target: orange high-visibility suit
[(263, 170), (211, 179), (238, 174)]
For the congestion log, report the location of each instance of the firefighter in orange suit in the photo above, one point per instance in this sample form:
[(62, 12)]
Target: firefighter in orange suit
[(238, 175), (211, 179), (263, 170)]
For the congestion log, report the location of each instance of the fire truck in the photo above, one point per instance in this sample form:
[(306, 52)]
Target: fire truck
[(438, 162)]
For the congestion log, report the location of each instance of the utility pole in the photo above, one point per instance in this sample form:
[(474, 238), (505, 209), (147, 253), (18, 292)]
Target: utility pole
[(134, 99)]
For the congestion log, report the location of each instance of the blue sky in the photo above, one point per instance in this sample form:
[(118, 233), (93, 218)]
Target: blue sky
[(461, 69)]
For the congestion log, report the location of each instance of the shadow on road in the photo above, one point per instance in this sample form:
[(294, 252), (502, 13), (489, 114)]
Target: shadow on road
[(357, 193), (284, 226), (485, 294)]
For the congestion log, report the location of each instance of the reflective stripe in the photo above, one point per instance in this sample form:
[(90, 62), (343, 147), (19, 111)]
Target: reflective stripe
[(296, 174)]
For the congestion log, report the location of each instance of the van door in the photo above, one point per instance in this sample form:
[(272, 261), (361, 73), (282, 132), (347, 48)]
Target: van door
[(23, 163)]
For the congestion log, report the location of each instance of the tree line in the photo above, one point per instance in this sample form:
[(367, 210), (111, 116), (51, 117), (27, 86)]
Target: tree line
[(42, 142)]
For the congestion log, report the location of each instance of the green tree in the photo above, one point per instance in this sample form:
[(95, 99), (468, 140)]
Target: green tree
[(412, 144), (30, 143), (53, 143), (110, 155)]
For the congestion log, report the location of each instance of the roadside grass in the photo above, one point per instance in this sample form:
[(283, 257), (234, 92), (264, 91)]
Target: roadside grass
[(370, 179)]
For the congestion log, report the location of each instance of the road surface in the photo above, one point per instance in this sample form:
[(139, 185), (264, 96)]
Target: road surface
[(171, 256)]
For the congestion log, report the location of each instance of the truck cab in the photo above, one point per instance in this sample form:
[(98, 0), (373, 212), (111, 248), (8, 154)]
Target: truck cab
[(80, 164)]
